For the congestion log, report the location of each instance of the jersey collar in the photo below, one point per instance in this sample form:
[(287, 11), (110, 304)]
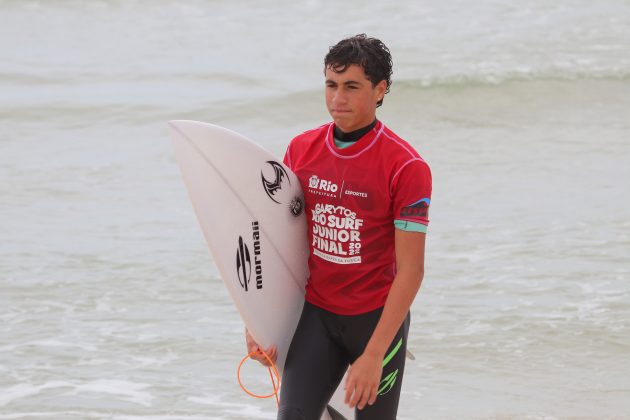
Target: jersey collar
[(359, 147)]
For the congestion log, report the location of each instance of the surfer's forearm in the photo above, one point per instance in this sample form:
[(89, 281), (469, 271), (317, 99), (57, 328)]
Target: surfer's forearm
[(410, 272), (364, 375), (399, 300)]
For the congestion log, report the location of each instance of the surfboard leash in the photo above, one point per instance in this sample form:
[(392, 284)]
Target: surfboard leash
[(272, 371)]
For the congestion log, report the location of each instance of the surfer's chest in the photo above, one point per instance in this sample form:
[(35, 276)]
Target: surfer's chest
[(355, 185)]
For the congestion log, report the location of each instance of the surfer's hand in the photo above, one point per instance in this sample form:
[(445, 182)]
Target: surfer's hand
[(253, 347), (362, 382)]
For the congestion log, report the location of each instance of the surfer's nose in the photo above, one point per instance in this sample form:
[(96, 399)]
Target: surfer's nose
[(339, 97)]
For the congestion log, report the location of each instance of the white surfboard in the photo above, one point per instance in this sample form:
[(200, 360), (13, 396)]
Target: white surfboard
[(251, 210)]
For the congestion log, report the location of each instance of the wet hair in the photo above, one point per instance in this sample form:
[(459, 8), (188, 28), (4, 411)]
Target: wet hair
[(368, 53)]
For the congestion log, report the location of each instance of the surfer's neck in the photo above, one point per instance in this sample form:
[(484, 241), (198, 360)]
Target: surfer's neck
[(355, 135)]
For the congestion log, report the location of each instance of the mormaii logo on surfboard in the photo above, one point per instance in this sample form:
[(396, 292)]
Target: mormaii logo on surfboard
[(243, 263), (274, 187), (244, 260)]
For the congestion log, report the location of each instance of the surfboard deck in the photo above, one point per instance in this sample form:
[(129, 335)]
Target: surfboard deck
[(250, 208)]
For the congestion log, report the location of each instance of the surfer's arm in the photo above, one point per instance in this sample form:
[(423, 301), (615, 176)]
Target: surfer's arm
[(257, 353), (365, 373)]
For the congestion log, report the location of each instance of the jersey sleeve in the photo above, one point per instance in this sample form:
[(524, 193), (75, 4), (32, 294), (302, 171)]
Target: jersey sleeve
[(411, 195)]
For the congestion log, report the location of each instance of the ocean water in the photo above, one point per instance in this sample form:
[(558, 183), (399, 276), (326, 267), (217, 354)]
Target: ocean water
[(110, 306)]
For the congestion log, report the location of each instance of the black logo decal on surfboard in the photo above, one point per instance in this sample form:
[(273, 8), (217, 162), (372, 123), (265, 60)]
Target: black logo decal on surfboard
[(244, 260), (243, 263), (273, 189), (275, 185), (296, 206), (257, 256)]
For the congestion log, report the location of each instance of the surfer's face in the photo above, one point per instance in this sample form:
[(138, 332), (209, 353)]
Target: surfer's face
[(351, 98)]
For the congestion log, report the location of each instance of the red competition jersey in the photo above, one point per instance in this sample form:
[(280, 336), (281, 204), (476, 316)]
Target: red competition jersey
[(352, 196)]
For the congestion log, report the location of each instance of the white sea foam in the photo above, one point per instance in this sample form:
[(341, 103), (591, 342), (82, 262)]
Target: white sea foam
[(143, 361), (57, 343), (164, 417), (21, 391), (123, 390), (241, 409)]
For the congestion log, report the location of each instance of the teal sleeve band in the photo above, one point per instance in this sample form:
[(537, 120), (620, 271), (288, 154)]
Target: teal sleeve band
[(410, 226)]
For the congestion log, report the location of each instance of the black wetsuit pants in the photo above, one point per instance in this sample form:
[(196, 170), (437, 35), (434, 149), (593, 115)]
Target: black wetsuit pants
[(323, 347)]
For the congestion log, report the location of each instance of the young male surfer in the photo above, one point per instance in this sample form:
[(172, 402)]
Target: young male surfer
[(367, 195)]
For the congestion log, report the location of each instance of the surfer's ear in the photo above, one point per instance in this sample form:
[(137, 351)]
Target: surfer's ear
[(380, 90)]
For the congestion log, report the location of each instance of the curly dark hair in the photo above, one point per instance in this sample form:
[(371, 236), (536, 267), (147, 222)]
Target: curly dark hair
[(368, 53)]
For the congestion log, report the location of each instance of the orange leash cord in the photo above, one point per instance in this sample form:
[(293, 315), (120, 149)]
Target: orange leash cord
[(275, 372)]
